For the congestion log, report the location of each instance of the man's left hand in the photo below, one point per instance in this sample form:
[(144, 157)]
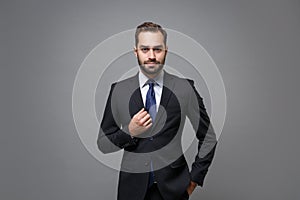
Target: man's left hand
[(191, 187)]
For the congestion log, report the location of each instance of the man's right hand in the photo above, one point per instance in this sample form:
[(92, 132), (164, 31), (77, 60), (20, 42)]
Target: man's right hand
[(140, 122)]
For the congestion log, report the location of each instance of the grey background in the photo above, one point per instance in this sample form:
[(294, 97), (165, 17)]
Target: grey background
[(255, 44)]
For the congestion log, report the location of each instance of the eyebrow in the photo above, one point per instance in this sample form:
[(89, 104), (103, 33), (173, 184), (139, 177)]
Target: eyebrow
[(158, 46)]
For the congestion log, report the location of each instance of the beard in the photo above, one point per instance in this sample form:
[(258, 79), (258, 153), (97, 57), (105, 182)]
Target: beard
[(155, 66)]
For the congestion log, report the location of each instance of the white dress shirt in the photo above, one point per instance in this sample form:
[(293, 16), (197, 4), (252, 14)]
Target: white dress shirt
[(157, 87)]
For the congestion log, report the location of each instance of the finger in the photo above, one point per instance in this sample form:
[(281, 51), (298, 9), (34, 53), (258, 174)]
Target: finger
[(145, 118), (146, 123), (140, 111), (141, 122), (142, 114), (148, 126), (138, 115)]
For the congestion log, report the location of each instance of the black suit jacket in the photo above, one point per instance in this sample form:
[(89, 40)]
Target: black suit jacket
[(161, 145)]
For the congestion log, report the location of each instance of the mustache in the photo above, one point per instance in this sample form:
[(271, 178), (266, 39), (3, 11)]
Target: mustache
[(152, 62)]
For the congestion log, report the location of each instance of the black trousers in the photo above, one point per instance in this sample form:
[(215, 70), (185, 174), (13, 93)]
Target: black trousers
[(154, 194)]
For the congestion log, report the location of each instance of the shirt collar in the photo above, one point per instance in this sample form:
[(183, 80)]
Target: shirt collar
[(158, 79)]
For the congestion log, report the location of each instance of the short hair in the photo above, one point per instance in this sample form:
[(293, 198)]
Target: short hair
[(151, 27)]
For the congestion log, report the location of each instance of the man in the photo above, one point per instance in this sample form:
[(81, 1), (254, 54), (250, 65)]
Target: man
[(145, 116)]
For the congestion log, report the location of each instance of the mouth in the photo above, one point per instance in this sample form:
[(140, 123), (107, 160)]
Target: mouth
[(151, 63)]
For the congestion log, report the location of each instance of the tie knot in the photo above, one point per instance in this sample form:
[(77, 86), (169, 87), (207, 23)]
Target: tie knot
[(151, 82)]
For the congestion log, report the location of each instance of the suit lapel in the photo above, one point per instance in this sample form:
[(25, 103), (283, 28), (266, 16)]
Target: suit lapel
[(136, 96)]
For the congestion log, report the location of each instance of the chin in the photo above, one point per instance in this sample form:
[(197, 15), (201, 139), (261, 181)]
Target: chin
[(151, 70)]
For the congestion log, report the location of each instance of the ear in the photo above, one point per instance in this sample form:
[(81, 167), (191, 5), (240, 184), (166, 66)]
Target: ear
[(135, 51)]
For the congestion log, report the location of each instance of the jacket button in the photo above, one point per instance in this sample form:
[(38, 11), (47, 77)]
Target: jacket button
[(146, 163)]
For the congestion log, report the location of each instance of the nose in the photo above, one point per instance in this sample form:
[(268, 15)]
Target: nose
[(151, 54)]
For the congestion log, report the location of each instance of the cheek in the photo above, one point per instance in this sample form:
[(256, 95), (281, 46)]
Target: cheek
[(143, 58), (141, 55), (161, 57)]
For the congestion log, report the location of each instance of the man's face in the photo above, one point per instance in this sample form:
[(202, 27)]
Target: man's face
[(151, 52)]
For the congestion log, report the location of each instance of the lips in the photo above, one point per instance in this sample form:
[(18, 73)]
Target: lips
[(151, 62)]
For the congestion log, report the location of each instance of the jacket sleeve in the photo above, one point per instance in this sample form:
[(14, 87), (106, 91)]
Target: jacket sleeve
[(111, 137), (205, 134)]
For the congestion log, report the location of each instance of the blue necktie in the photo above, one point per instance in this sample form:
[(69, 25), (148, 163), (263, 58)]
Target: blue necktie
[(150, 101), (151, 108)]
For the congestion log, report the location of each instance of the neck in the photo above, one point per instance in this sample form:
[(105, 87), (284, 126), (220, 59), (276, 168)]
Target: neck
[(151, 76)]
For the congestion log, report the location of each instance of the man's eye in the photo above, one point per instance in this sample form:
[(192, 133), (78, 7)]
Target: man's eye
[(145, 50), (157, 50)]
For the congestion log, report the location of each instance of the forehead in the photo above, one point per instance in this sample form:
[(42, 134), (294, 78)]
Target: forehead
[(151, 38)]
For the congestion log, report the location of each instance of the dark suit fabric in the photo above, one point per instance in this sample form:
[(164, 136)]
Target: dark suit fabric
[(161, 145)]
